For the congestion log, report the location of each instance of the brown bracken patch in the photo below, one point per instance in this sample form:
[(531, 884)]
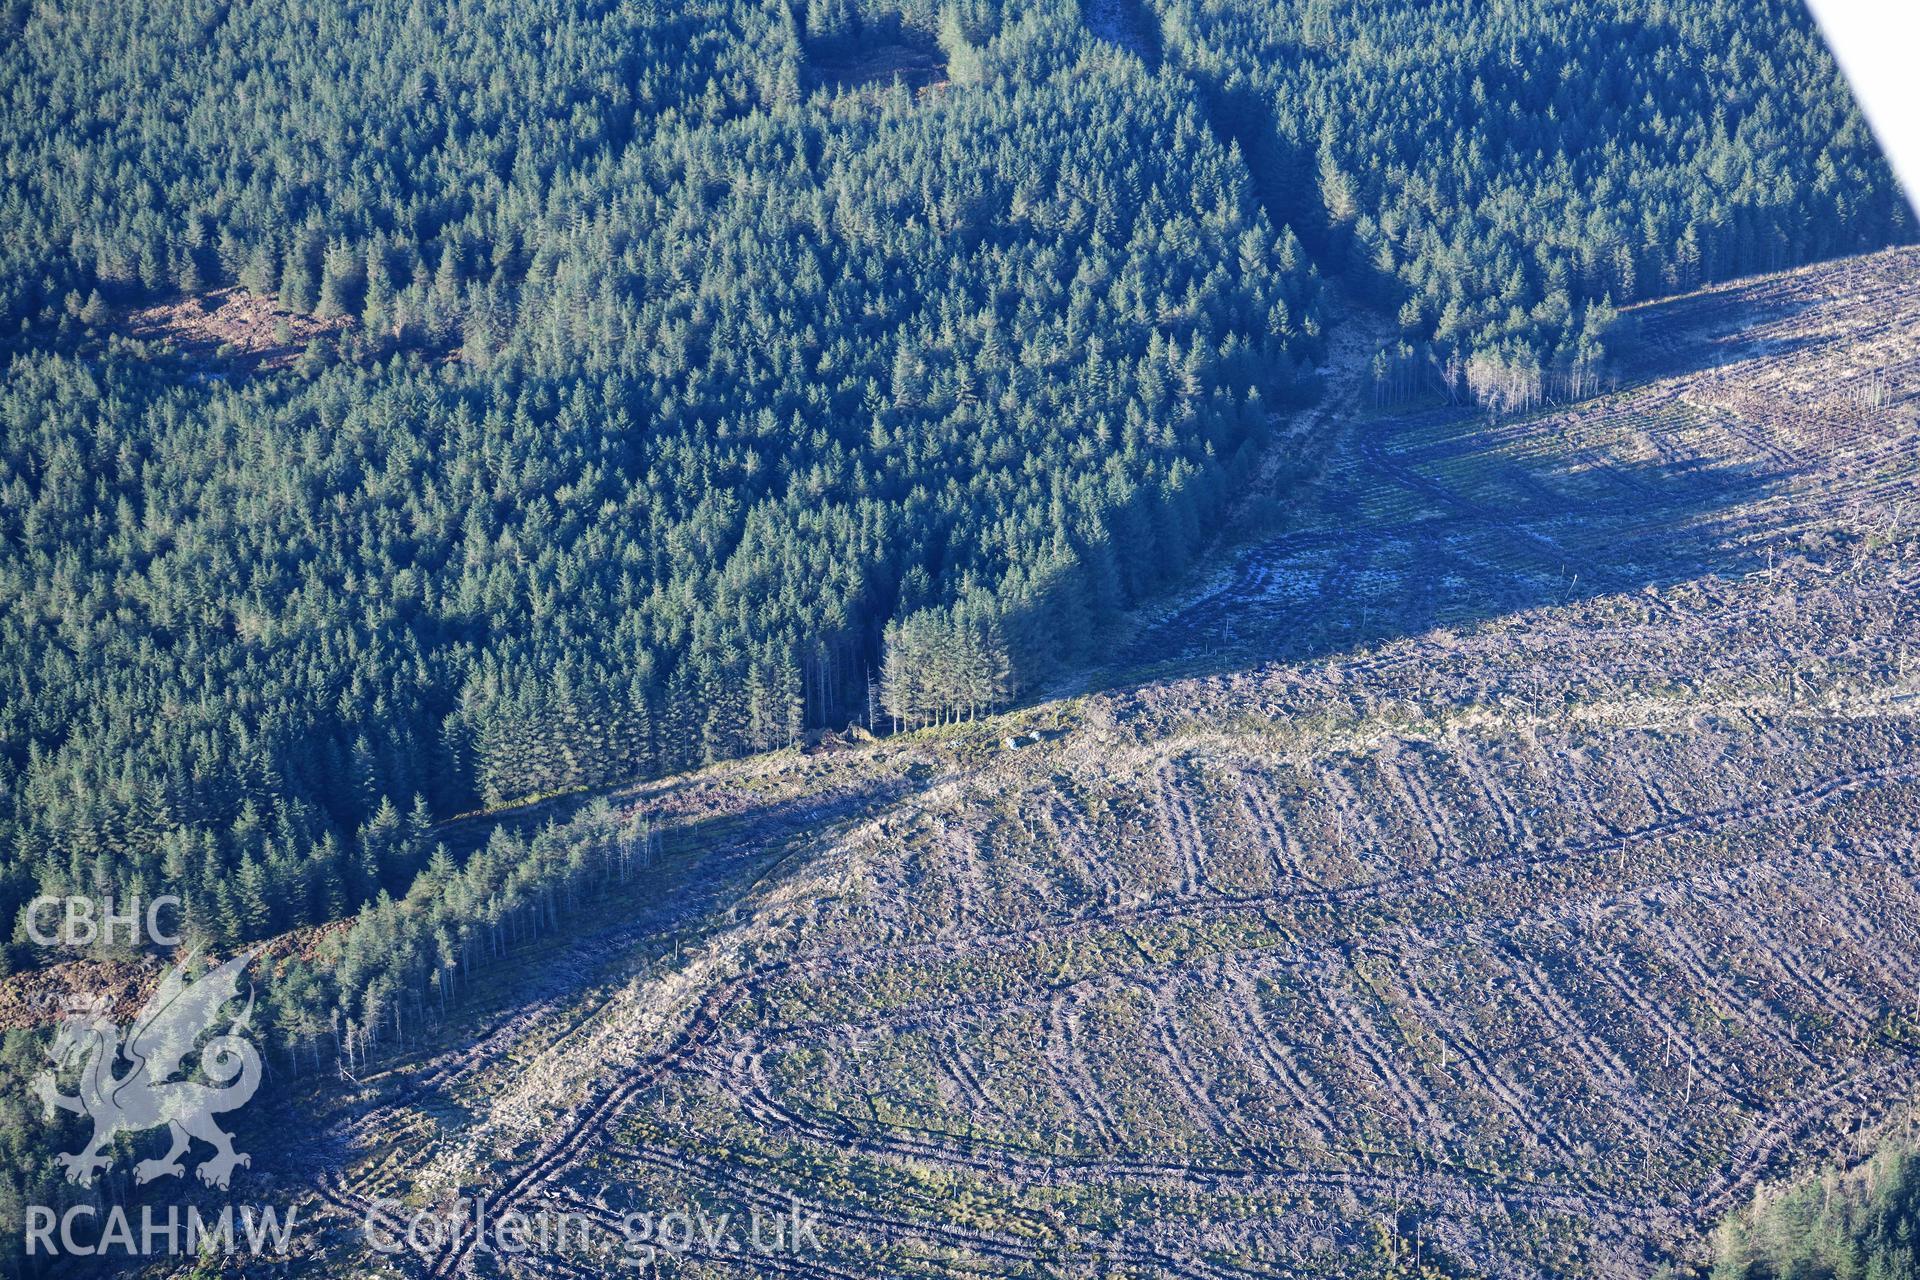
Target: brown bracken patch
[(41, 997), (231, 329)]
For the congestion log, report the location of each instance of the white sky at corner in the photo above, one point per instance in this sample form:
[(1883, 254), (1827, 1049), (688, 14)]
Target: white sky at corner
[(1878, 44)]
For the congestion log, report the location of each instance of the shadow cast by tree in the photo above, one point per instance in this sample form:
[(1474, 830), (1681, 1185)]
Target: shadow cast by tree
[(1447, 518)]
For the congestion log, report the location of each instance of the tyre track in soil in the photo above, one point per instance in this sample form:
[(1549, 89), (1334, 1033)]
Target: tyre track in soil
[(558, 1154), (1219, 607), (851, 963), (552, 1157), (589, 1127), (1774, 1132), (1773, 1129), (1537, 857), (1598, 903), (897, 1228), (762, 1193), (746, 861), (1425, 1180), (729, 871)]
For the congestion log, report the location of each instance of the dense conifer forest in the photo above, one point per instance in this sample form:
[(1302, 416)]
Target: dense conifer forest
[(1862, 1223), (687, 377), (673, 378), (1503, 177)]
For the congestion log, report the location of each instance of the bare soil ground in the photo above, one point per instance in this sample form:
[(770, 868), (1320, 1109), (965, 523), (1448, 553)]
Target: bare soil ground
[(40, 997), (228, 330), (1510, 865)]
